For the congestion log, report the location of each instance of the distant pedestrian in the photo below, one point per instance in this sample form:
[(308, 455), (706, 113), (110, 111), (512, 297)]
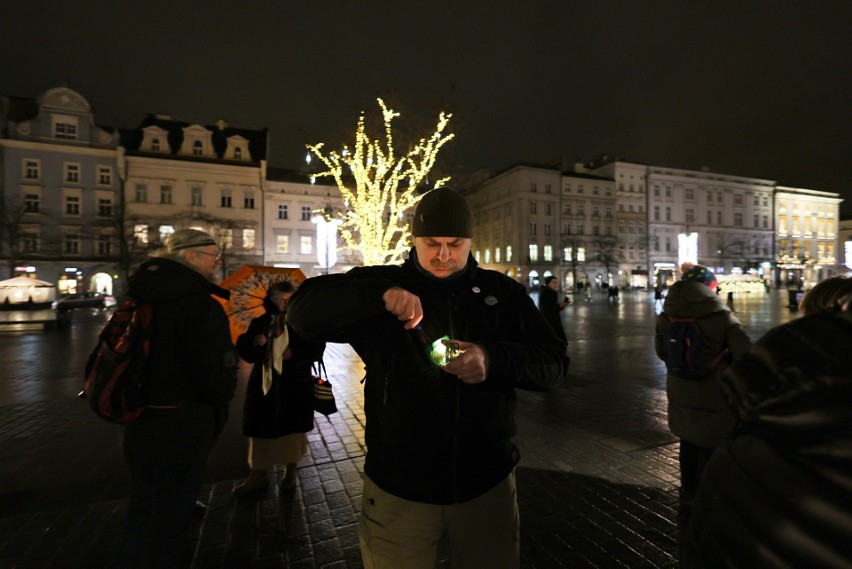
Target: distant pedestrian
[(191, 371), (551, 307), (697, 414), (588, 288)]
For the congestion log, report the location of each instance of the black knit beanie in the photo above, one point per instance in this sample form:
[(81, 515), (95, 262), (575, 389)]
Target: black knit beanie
[(442, 212)]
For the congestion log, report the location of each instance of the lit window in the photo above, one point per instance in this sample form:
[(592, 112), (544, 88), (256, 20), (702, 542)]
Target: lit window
[(282, 244), (533, 252), (165, 231), (305, 245), (248, 238), (140, 234)]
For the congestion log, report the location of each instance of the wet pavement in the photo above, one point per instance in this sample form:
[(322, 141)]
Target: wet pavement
[(597, 482)]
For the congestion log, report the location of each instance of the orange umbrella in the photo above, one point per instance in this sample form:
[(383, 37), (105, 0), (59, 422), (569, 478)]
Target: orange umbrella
[(248, 287)]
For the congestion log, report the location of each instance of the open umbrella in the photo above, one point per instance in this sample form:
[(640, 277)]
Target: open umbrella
[(248, 287)]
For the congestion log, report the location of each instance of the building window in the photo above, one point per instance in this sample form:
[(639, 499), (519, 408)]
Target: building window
[(547, 230), (656, 213), (690, 216), (140, 234), (72, 205), (282, 244), (282, 211), (497, 255), (487, 256), (719, 217), (668, 214), (198, 149), (226, 238), (533, 207), (165, 231), (508, 253), (104, 245), (104, 207), (238, 153), (195, 196), (533, 187), (547, 208), (165, 194), (32, 169), (141, 193), (65, 130), (72, 244), (248, 200), (690, 194), (596, 211), (532, 228), (305, 244), (533, 252), (72, 172), (248, 239), (155, 144), (30, 242), (32, 203), (225, 198), (104, 175), (548, 253), (306, 213)]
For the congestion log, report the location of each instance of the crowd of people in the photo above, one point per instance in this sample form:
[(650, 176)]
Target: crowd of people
[(445, 345)]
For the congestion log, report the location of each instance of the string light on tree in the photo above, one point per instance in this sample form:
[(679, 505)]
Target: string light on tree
[(379, 186)]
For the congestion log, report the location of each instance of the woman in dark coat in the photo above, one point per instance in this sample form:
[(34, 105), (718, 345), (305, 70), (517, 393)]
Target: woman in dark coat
[(279, 397)]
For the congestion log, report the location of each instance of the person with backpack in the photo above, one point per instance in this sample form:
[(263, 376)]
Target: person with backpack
[(698, 337), (190, 378), (278, 410)]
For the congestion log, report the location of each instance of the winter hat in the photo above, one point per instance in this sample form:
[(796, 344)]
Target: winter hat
[(701, 275), (188, 239), (442, 212)]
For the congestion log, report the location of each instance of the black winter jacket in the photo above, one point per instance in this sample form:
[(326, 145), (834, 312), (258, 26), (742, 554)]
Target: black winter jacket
[(779, 492), (288, 407), (192, 364), (432, 438)]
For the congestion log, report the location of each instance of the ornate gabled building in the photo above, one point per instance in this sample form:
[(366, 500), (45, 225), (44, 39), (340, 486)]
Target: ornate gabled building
[(179, 175), (59, 187)]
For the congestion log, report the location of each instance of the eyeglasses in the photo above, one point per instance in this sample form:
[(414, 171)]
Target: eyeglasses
[(217, 256)]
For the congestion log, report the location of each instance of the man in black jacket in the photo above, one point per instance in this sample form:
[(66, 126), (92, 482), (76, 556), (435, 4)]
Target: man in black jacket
[(445, 344), (191, 371)]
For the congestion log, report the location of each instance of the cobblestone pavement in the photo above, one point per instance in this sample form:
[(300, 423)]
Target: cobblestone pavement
[(597, 480)]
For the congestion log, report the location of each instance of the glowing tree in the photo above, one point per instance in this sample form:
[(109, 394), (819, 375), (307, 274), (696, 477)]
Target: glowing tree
[(378, 185)]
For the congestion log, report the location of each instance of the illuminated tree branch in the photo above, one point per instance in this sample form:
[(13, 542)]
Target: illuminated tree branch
[(379, 185)]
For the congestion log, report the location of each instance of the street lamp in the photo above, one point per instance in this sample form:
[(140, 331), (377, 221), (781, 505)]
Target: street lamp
[(327, 225)]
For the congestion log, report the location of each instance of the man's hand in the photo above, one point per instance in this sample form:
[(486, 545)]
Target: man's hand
[(404, 306), (471, 365)]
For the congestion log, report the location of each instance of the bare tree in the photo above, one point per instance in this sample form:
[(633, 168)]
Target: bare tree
[(607, 254), (574, 243), (11, 231)]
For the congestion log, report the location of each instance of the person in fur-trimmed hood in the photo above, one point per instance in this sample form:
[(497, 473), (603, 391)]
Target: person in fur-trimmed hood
[(778, 492), (697, 413)]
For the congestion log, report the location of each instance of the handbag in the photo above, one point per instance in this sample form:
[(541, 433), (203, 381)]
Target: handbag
[(323, 395)]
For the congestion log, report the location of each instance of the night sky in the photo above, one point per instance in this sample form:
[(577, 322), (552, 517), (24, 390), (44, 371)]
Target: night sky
[(756, 89)]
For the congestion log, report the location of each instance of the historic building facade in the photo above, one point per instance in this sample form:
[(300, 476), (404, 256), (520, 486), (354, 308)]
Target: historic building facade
[(59, 186)]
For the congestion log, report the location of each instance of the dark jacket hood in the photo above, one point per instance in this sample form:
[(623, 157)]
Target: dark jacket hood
[(160, 279), (689, 299)]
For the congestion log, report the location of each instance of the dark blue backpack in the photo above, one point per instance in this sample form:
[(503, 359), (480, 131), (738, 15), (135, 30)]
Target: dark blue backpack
[(682, 349)]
